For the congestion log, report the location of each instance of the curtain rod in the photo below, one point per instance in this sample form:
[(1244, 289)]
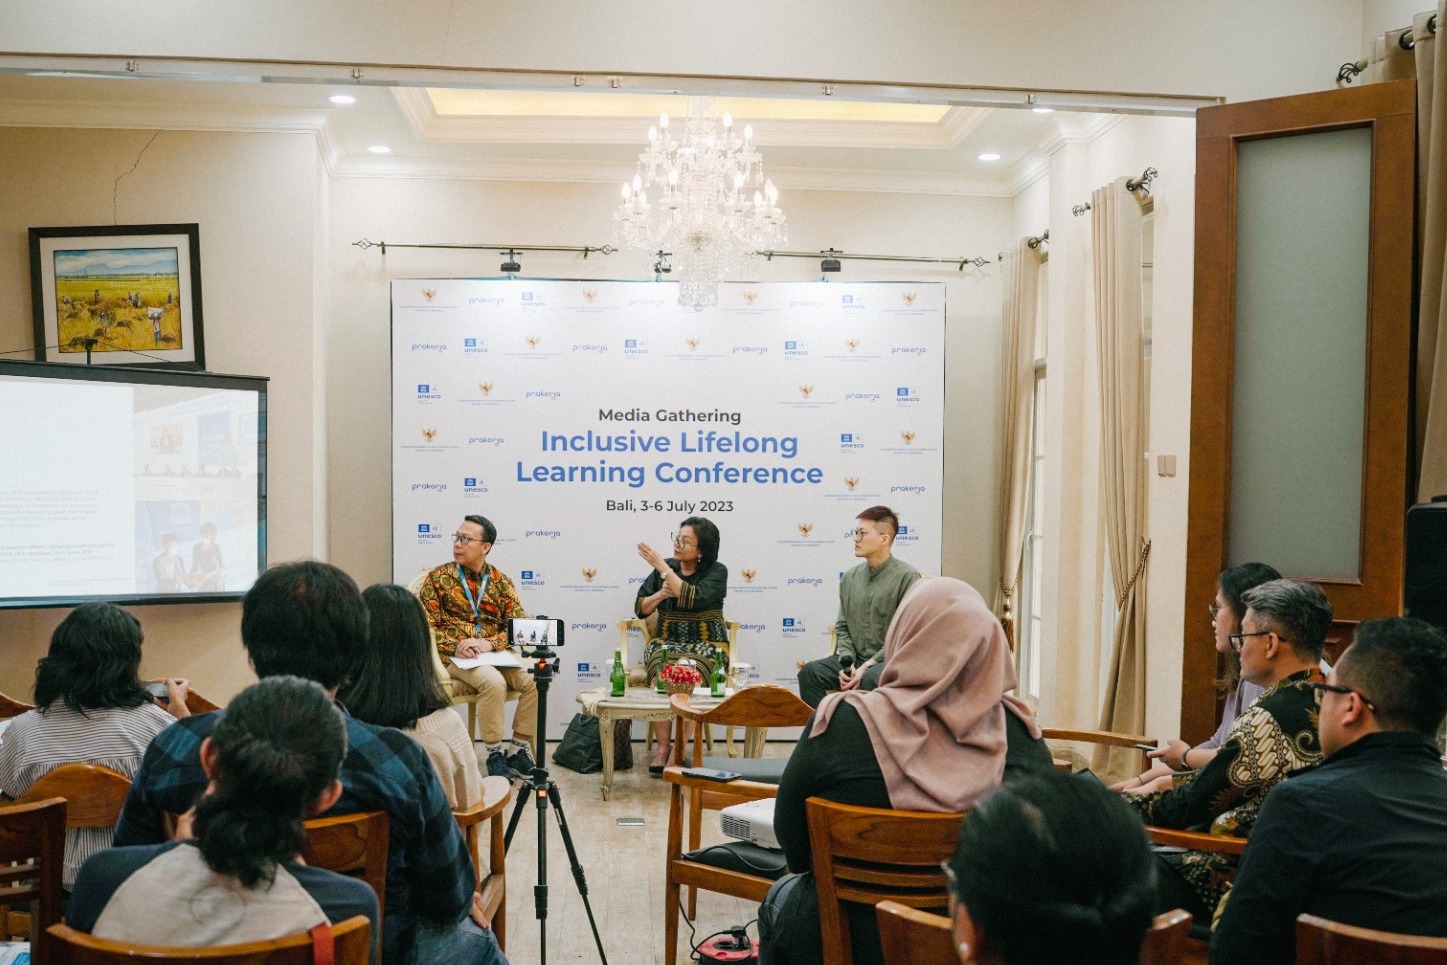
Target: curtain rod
[(1405, 40), (836, 255), (1033, 243), (1141, 184), (500, 249)]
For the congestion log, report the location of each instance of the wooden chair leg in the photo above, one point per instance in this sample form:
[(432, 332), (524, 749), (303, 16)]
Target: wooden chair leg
[(472, 720)]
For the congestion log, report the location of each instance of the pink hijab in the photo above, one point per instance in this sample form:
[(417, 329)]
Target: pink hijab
[(937, 720)]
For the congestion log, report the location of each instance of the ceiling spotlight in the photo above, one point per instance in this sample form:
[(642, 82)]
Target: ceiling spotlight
[(1043, 110), (342, 99), (830, 263), (380, 149), (661, 267), (989, 156), (511, 266)]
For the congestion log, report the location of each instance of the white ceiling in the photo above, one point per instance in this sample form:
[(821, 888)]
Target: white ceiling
[(560, 136)]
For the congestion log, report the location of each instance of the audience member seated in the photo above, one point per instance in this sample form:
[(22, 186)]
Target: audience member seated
[(1226, 610), (938, 733), (90, 708), (235, 874), (308, 620), (1280, 644), (1048, 870), (393, 685), (1359, 839)]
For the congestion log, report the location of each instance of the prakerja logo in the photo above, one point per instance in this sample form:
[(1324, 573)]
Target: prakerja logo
[(909, 489), (804, 581), (542, 534), (861, 396), (598, 627), (434, 487), (429, 347), (485, 440)]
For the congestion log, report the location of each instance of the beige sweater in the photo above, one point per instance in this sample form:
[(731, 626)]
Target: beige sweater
[(444, 737)]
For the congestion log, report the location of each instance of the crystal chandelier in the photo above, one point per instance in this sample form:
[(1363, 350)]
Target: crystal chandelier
[(712, 209)]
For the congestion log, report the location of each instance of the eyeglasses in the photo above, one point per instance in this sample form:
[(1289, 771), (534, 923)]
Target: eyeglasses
[(1317, 690), (466, 540), (684, 540), (1238, 640), (1214, 609), (860, 533), (950, 887)]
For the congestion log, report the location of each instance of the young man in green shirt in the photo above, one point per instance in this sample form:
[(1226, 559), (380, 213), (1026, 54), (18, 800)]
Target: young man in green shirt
[(868, 596)]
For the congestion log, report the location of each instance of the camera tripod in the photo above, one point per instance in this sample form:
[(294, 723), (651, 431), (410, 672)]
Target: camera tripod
[(544, 792)]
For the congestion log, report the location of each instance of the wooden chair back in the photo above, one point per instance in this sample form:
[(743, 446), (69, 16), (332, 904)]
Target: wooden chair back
[(491, 881), (759, 707), (869, 855), (94, 794), (10, 707), (683, 873), (32, 857), (352, 844), (1323, 942), (351, 944), (914, 937)]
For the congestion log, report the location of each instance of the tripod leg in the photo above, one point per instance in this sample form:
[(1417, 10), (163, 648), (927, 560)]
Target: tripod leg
[(517, 812), (540, 890), (579, 875)]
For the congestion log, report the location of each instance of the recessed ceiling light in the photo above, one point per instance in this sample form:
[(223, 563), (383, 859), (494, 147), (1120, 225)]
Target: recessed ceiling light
[(342, 99), (1044, 110), (380, 149), (990, 156)]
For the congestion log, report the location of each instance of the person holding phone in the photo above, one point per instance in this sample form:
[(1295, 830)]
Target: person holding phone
[(91, 707)]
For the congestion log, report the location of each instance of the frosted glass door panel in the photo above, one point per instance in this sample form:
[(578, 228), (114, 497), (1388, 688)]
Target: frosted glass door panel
[(1299, 393)]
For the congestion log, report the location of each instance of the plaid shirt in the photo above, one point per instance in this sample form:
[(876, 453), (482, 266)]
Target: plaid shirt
[(429, 873), (450, 614)]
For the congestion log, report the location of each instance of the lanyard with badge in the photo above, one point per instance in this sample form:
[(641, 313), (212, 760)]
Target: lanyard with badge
[(481, 590)]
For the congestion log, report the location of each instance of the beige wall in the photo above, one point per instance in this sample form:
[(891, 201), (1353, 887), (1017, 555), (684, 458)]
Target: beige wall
[(256, 199), (573, 214)]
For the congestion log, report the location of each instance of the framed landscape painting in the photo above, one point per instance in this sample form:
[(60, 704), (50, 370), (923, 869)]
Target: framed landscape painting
[(118, 295)]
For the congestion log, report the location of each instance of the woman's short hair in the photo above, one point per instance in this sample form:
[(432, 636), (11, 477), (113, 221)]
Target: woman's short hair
[(93, 661), (279, 745), (1055, 868), (393, 682), (1236, 580), (708, 538)]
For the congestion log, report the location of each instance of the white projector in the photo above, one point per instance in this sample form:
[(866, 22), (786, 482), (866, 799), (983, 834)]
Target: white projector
[(751, 821)]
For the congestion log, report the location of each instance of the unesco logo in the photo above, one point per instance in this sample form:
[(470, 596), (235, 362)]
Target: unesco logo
[(425, 532), (532, 578), (793, 625), (635, 346), (533, 300), (474, 346), (851, 301), (590, 671), (905, 394), (851, 440), (472, 484), (906, 536), (795, 349), (428, 391)]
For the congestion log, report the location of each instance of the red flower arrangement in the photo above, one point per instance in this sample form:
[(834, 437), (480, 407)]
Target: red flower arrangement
[(678, 678)]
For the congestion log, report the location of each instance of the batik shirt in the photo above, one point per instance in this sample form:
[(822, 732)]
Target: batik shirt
[(1273, 737), (450, 614)]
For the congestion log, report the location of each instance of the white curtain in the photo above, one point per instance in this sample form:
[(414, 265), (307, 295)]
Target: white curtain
[(1022, 272), (1116, 225)]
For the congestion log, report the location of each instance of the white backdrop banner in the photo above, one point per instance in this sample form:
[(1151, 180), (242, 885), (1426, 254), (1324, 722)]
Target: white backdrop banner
[(582, 417)]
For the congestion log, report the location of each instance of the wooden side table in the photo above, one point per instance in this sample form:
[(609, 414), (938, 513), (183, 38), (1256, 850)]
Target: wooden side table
[(637, 703)]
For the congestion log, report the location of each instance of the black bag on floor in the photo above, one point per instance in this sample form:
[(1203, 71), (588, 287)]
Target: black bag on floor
[(580, 749)]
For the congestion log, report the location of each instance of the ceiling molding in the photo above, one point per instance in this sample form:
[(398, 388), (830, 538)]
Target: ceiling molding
[(124, 115), (428, 125)]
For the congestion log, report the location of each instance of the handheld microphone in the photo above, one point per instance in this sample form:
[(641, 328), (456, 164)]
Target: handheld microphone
[(846, 663)]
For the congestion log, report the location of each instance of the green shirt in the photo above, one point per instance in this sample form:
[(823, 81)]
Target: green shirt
[(868, 598)]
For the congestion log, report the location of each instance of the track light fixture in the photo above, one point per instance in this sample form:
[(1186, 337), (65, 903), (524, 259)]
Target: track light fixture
[(831, 261), (511, 266)]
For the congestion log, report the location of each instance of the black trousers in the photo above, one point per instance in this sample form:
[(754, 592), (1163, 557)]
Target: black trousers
[(818, 677)]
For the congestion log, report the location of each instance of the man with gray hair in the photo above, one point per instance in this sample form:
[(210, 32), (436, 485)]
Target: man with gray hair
[(1283, 634)]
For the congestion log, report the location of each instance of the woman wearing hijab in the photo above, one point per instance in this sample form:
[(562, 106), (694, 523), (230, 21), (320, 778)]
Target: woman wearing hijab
[(938, 734)]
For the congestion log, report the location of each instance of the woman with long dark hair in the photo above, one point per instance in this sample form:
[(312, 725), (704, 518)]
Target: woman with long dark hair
[(234, 875), (1226, 613), (394, 684), (90, 708), (687, 592)]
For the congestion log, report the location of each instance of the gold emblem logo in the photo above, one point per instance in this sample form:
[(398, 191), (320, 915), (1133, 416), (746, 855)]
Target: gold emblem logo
[(805, 529), (429, 434), (589, 294), (806, 390), (532, 341), (748, 575), (485, 388), (853, 343), (850, 482), (588, 574), (693, 343), (909, 297), (429, 293), (751, 297), (907, 436)]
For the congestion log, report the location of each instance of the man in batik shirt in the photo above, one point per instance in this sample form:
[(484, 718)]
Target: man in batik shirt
[(468, 603), (1282, 637)]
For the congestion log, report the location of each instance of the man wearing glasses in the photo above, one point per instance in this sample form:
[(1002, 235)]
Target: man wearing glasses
[(1359, 839), (468, 603), (1283, 633), (868, 596)]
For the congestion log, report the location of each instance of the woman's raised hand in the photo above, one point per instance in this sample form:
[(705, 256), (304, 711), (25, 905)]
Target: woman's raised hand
[(652, 558)]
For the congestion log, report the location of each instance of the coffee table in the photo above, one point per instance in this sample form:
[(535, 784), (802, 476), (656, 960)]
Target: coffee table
[(637, 703)]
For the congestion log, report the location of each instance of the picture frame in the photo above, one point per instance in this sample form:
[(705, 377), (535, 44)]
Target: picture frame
[(118, 295)]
